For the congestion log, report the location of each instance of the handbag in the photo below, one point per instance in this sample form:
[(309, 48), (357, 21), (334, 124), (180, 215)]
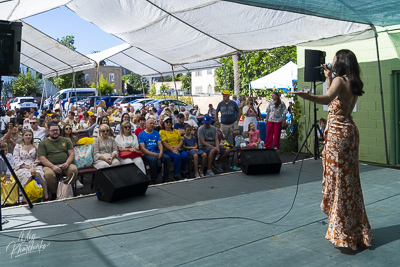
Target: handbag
[(6, 187), (34, 190), (64, 190), (129, 154), (83, 156)]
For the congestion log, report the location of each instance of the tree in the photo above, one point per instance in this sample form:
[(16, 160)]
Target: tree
[(6, 91), (65, 81), (259, 64), (136, 83), (105, 86), (26, 84), (186, 80)]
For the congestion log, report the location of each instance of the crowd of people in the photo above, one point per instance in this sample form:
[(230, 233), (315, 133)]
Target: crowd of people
[(44, 141)]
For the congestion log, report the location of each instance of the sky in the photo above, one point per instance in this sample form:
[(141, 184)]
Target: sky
[(61, 22)]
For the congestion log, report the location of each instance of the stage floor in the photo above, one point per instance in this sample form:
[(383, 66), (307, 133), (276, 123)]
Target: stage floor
[(226, 220)]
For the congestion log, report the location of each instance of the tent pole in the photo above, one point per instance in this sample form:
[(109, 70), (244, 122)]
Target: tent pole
[(381, 92), (44, 90), (247, 71), (226, 82), (173, 75)]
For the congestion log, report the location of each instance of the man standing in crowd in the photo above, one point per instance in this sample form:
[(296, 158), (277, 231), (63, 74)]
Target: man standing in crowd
[(57, 154), (236, 100), (209, 143), (230, 115), (151, 146)]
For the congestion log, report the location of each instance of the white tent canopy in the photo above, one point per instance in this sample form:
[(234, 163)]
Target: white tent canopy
[(49, 57), (177, 32), (281, 78)]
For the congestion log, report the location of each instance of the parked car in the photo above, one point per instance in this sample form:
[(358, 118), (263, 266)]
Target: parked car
[(24, 103), (138, 103), (109, 100), (88, 102), (168, 101), (64, 94), (73, 100), (126, 99)]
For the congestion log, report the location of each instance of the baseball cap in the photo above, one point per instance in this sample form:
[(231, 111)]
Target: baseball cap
[(226, 92), (210, 105), (167, 118), (206, 119), (180, 115)]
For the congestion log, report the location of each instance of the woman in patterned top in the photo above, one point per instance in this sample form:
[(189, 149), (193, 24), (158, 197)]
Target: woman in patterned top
[(343, 200), (275, 120)]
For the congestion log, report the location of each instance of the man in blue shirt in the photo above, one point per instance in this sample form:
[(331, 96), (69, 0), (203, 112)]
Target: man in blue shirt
[(180, 125), (151, 146), (230, 115)]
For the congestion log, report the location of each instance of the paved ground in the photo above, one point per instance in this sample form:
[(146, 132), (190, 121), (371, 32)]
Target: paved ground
[(226, 220)]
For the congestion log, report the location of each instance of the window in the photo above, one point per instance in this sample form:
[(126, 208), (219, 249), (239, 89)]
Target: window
[(87, 77), (197, 73), (209, 71), (209, 89), (111, 77), (199, 89)]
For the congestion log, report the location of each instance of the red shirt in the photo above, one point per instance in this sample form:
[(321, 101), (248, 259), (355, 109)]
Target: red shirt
[(139, 130)]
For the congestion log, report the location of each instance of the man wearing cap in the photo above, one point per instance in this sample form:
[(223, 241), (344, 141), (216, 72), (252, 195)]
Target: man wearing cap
[(209, 143), (211, 111), (230, 114), (180, 125)]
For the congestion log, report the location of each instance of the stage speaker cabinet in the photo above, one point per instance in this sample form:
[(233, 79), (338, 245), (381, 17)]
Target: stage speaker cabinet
[(260, 161), (120, 182), (314, 59), (10, 48)]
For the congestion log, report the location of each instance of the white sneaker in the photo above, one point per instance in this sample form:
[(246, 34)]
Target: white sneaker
[(210, 173), (78, 184)]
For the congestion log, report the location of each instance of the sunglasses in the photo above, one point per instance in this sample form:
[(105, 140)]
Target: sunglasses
[(104, 131), (33, 122), (127, 127), (68, 128), (169, 122)]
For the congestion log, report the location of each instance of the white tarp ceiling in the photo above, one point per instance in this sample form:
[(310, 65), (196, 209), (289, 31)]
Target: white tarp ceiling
[(144, 64), (177, 32), (49, 57), (281, 78)]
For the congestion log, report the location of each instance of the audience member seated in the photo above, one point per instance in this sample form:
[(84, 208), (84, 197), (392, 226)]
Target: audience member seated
[(110, 115), (69, 119), (56, 118), (126, 141), (39, 133), (180, 125), (142, 126), (191, 148), (254, 137), (76, 127), (151, 146), (124, 117), (12, 137), (26, 162), (189, 120), (209, 143), (102, 120), (67, 132), (85, 122), (195, 111), (105, 150), (322, 125), (56, 153), (172, 141)]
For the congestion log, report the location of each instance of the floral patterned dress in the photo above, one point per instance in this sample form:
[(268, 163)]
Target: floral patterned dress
[(341, 186), (21, 157)]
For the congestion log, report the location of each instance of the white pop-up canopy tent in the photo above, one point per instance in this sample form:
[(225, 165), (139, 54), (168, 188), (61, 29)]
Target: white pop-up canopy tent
[(281, 79)]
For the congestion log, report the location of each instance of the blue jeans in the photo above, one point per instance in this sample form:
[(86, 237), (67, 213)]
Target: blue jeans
[(153, 161), (180, 160)]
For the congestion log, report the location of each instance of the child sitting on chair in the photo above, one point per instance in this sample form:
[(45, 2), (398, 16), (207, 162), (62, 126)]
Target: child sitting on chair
[(3, 166), (254, 137), (191, 148), (221, 136)]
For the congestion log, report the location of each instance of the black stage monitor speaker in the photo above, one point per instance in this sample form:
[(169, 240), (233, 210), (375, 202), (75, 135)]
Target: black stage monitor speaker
[(260, 161), (120, 182), (314, 59), (10, 47)]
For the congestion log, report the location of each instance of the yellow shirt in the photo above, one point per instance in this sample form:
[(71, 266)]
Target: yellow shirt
[(172, 138), (110, 119)]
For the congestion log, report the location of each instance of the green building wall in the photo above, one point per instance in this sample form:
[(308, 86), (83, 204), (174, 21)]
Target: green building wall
[(368, 116)]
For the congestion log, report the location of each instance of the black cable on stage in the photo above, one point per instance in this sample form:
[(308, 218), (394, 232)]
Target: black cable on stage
[(178, 222)]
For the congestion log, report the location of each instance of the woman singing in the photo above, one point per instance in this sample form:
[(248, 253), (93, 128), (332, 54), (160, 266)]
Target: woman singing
[(342, 194)]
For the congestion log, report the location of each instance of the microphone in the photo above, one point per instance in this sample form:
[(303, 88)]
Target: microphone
[(328, 66)]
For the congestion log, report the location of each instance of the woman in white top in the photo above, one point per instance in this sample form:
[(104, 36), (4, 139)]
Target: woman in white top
[(101, 109), (250, 114), (124, 117), (126, 141), (85, 122)]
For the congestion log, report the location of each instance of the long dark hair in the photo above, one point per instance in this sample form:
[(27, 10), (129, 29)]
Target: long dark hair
[(347, 64), (278, 101), (70, 136)]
